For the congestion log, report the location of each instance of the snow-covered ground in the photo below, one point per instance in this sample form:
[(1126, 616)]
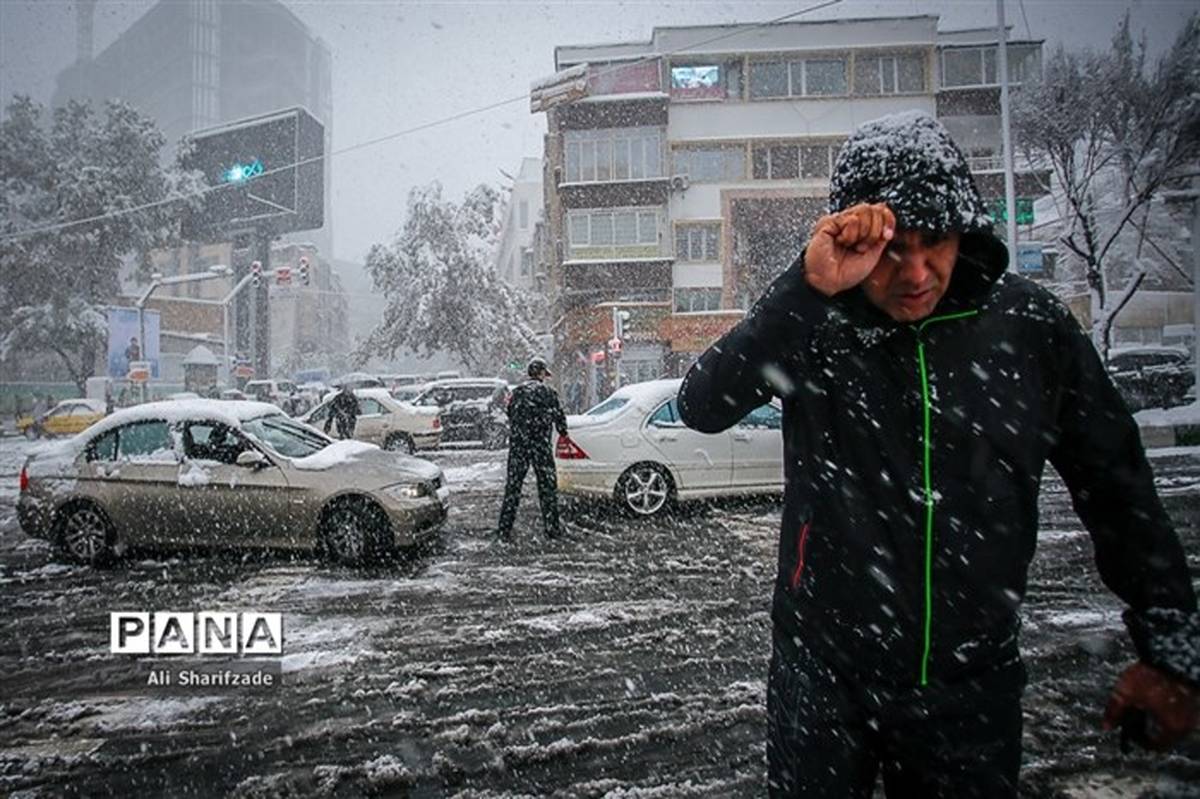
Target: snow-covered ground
[(626, 661)]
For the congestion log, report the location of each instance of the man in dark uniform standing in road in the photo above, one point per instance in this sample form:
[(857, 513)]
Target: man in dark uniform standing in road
[(343, 410), (532, 411)]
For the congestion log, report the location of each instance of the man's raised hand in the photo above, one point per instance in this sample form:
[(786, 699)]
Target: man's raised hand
[(845, 247)]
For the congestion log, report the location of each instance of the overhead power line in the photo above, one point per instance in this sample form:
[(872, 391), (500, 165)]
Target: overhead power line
[(407, 131)]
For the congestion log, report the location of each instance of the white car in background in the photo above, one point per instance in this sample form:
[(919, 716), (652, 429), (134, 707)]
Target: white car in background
[(393, 425), (634, 449)]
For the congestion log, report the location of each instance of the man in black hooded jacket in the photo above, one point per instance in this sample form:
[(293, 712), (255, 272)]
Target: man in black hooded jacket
[(923, 390)]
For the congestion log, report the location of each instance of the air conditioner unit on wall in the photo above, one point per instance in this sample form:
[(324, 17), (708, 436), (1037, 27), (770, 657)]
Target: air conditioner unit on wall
[(680, 182)]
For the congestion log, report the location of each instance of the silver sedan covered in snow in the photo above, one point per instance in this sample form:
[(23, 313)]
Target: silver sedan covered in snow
[(213, 473)]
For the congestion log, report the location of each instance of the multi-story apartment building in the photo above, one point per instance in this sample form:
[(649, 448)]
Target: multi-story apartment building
[(516, 258), (682, 173)]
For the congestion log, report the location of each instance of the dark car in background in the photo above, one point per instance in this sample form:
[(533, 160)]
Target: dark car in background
[(472, 409), (1151, 376)]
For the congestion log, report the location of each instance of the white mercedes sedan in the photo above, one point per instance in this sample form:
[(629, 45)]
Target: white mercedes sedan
[(634, 449)]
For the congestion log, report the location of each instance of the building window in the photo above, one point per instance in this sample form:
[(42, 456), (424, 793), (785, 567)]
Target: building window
[(808, 77), (976, 66), (789, 161), (637, 76), (889, 74), (613, 154), (823, 77), (523, 213), (715, 164), (698, 243), (613, 233), (696, 300), (768, 79), (708, 81), (526, 262)]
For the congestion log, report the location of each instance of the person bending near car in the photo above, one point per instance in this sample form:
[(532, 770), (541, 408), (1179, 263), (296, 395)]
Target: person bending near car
[(533, 411), (343, 410), (924, 388)]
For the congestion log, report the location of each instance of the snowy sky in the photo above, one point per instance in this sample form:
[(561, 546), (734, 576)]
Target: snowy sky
[(400, 64)]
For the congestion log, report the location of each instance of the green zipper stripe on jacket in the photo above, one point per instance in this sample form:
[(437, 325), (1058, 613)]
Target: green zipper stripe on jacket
[(927, 474)]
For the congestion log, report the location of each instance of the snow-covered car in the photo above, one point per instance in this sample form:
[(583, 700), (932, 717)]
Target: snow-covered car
[(64, 419), (275, 392), (358, 380), (634, 449), (387, 422), (1151, 376), (408, 393), (223, 473), (472, 409)]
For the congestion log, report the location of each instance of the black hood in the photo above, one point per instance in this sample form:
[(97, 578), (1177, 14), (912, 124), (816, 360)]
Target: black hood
[(910, 162)]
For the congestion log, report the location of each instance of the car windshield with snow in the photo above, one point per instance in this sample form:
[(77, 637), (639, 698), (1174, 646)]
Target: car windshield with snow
[(634, 449), (222, 473)]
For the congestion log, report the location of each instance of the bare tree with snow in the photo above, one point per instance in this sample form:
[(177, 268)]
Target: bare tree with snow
[(441, 291), (1114, 136), (80, 166)]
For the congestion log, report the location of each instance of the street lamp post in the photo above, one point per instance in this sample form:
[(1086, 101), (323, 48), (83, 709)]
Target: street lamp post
[(157, 280), (225, 303)]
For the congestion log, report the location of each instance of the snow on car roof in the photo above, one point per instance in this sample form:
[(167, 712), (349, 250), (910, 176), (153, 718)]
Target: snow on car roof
[(375, 393), (94, 404), (466, 381), (231, 412), (649, 391)]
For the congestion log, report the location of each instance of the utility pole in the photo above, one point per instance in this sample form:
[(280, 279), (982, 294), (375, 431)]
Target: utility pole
[(1010, 193)]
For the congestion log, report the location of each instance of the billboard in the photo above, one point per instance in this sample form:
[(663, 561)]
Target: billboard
[(125, 345), (265, 172)]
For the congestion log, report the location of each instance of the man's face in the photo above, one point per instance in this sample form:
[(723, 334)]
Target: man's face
[(912, 274)]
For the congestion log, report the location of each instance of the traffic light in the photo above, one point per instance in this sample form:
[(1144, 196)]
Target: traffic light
[(304, 277), (623, 323), (256, 273)]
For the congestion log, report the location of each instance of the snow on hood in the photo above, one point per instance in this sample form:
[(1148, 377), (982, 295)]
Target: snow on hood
[(369, 459), (336, 454)]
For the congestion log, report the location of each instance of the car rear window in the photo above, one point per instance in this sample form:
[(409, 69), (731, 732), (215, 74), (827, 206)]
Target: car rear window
[(610, 405)]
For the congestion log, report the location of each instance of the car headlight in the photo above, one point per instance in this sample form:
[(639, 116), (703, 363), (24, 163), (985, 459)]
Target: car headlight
[(405, 491)]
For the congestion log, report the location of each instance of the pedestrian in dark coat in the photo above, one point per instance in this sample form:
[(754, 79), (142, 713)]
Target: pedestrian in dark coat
[(924, 388), (533, 412), (343, 410)]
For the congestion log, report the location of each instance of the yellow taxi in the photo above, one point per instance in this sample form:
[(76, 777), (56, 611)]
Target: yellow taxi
[(65, 419)]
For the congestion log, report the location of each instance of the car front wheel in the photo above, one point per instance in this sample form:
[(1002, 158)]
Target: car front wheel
[(85, 534), (354, 532), (644, 489)]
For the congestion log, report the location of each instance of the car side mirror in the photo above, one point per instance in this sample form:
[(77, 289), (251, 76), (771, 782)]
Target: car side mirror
[(251, 458)]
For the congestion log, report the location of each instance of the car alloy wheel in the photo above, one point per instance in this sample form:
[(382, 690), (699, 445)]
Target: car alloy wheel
[(346, 534), (645, 490), (85, 534)]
